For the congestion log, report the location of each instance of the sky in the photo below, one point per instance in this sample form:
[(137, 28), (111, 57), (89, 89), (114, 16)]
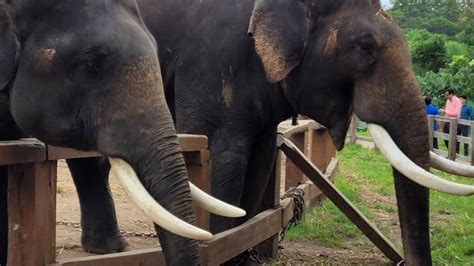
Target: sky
[(386, 3)]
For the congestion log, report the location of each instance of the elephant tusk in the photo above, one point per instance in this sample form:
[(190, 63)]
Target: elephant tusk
[(159, 215), (214, 205), (409, 169), (449, 166)]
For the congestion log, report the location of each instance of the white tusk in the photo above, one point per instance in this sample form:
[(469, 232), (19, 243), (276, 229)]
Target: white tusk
[(214, 205), (449, 166), (159, 215), (409, 169)]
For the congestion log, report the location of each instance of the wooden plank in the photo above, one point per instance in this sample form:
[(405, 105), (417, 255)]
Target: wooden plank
[(22, 151), (32, 213), (294, 176), (269, 248), (143, 257), (196, 157), (321, 148), (374, 235), (472, 142), (453, 129), (192, 142), (288, 207), (228, 244), (430, 130), (199, 176), (57, 153)]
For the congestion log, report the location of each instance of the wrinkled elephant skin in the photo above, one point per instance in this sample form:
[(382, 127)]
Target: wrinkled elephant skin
[(233, 70), (85, 74)]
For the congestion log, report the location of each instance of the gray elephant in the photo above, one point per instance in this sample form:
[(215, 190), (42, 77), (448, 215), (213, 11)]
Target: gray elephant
[(85, 74), (234, 69)]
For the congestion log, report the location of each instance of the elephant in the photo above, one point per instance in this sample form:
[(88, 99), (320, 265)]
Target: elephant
[(233, 70), (85, 74)]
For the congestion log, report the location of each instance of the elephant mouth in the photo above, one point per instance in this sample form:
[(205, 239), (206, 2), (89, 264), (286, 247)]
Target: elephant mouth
[(412, 171), (159, 215)]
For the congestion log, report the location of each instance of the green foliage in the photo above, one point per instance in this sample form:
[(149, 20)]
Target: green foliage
[(434, 16), (441, 39), (458, 75), (456, 48), (430, 54)]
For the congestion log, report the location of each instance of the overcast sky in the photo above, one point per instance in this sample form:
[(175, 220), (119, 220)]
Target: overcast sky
[(386, 3)]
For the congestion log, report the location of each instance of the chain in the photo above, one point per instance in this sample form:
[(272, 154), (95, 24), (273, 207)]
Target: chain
[(297, 194), (124, 233), (246, 256)]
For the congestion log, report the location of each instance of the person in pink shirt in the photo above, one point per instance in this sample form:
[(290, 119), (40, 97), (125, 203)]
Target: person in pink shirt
[(452, 109)]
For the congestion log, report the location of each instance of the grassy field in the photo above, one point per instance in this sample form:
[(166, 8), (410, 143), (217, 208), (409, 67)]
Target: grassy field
[(365, 178)]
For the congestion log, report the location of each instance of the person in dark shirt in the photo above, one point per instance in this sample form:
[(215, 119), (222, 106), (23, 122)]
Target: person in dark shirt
[(432, 110), (466, 114)]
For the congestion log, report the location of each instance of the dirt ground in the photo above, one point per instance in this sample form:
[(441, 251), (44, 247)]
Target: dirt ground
[(138, 230)]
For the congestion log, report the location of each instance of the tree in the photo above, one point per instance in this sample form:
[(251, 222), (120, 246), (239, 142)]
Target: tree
[(440, 17), (458, 75), (428, 51)]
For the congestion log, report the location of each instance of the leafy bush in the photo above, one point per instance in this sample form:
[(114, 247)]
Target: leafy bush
[(458, 75)]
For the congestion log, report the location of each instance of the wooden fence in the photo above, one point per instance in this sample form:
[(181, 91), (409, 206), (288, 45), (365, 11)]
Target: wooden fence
[(452, 137), (32, 170)]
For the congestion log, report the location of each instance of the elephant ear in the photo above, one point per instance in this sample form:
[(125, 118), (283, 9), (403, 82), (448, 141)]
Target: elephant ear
[(9, 46), (279, 29)]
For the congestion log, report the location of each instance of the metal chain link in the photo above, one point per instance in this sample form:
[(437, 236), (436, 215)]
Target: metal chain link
[(297, 194), (250, 255)]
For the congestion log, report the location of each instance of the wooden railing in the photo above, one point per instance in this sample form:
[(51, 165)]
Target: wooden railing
[(32, 170), (452, 137)]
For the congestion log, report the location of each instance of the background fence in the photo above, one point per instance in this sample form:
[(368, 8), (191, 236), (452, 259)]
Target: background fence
[(358, 132)]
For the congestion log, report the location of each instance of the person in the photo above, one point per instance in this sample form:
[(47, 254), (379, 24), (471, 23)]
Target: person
[(453, 110), (432, 110), (466, 114)]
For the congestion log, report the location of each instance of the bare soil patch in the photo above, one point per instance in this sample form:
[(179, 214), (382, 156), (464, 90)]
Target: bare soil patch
[(138, 229)]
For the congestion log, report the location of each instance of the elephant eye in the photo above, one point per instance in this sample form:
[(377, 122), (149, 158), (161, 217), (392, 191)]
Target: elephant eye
[(91, 63), (365, 47)]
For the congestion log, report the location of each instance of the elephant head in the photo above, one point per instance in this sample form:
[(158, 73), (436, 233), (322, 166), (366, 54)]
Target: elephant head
[(86, 76), (333, 58)]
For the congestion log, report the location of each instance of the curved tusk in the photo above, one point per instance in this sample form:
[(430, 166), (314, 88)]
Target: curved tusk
[(449, 166), (159, 215), (409, 169), (214, 205)]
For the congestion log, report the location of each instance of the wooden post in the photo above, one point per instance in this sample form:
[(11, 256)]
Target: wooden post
[(197, 164), (453, 130), (269, 248), (321, 148), (294, 176), (430, 129), (353, 130), (32, 213), (472, 142)]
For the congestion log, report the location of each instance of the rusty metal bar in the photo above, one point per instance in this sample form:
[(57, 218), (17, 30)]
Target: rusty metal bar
[(318, 178)]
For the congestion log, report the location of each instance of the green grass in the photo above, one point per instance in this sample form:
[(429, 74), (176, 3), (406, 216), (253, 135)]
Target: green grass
[(363, 172)]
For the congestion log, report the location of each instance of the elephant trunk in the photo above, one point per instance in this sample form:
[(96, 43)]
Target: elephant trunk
[(139, 130), (157, 159), (413, 199), (392, 99), (163, 173)]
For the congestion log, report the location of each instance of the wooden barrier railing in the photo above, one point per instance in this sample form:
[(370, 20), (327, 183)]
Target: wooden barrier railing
[(32, 202), (452, 137)]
